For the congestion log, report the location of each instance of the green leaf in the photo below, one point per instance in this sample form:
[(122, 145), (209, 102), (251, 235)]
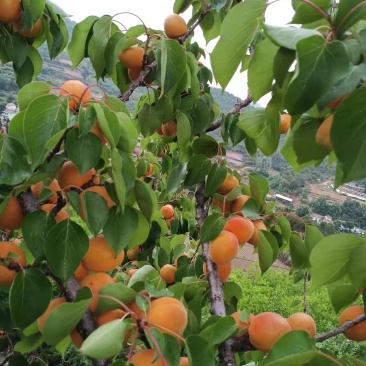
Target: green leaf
[(306, 13), (176, 177), (79, 40), (212, 227), (341, 295), (145, 273), (349, 13), (250, 209), (181, 6), (299, 255), (260, 72), (65, 246), (330, 257), (29, 296), (83, 151), (146, 199), (29, 343), (206, 145), (18, 360), (44, 119), (95, 210), (30, 92), (259, 187), (349, 124), (224, 329), (238, 30), (184, 136), (173, 66), (199, 351), (63, 320), (215, 178), (285, 228), (118, 179), (356, 269), (106, 341), (117, 291), (129, 134), (265, 253), (35, 227), (120, 227), (294, 348), (32, 11), (319, 66), (288, 37), (312, 236), (198, 167)]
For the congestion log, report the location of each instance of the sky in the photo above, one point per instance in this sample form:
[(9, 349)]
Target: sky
[(153, 14)]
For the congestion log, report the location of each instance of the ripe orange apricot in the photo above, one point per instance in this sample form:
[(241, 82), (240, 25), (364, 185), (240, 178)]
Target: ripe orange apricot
[(109, 316), (134, 73), (54, 187), (168, 315), (175, 26), (150, 172), (167, 273), (12, 216), (140, 314), (265, 329), (132, 253), (336, 102), (242, 227), (31, 32), (184, 361), (358, 332), (302, 321), (225, 207), (78, 91), (69, 176), (9, 10), (223, 269), (244, 326), (98, 132), (131, 272), (76, 338), (132, 57), (169, 129), (7, 275), (183, 255), (102, 192), (239, 203), (167, 211), (322, 136), (53, 305), (145, 358), (285, 122), (60, 216), (101, 257), (258, 225), (230, 183), (224, 248), (81, 272), (95, 281)]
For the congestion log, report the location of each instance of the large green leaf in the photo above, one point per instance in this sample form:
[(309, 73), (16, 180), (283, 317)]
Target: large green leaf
[(129, 134), (117, 291), (238, 30), (32, 11), (30, 92), (299, 255), (120, 185), (198, 167), (176, 177), (30, 295), (349, 13), (259, 187), (212, 227), (199, 351), (145, 199), (65, 246), (184, 136), (307, 13), (319, 66), (265, 253)]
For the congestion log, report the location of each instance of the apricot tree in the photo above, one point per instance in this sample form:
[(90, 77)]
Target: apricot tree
[(129, 221)]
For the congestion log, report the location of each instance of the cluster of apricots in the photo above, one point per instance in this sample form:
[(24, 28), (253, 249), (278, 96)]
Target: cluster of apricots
[(168, 214), (10, 13), (267, 328)]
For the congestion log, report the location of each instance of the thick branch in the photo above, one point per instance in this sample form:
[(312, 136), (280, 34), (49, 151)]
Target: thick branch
[(28, 202), (348, 324), (226, 353)]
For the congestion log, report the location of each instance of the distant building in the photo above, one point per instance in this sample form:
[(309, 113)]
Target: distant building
[(319, 218), (284, 198), (10, 111)]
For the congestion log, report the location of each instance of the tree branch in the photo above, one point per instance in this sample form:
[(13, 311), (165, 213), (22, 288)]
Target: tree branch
[(347, 325)]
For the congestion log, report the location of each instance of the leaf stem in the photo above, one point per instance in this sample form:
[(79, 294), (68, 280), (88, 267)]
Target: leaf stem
[(318, 9), (350, 13)]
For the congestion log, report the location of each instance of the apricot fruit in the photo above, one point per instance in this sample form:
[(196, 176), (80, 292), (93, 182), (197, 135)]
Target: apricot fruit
[(109, 316), (167, 273), (224, 248), (69, 176), (167, 211), (81, 272), (52, 306), (168, 221), (100, 256), (242, 227), (95, 281), (31, 32), (98, 132), (132, 253), (76, 338), (223, 269), (7, 275), (102, 192), (131, 272), (238, 204), (258, 225), (134, 73), (358, 332), (54, 187), (12, 216), (244, 326), (229, 184), (9, 10), (60, 216), (184, 361), (336, 102), (169, 129), (267, 328), (150, 172), (285, 122), (303, 321), (322, 136), (226, 207), (168, 315), (175, 26), (145, 358), (78, 91), (132, 57), (134, 308)]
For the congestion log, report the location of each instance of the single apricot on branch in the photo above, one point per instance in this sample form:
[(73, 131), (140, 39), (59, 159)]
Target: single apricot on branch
[(12, 216), (224, 248), (145, 358), (132, 57), (78, 91), (285, 122), (357, 332), (229, 184), (11, 253), (31, 32), (9, 10), (69, 176), (167, 211), (242, 227), (175, 26), (322, 136), (167, 273), (302, 321)]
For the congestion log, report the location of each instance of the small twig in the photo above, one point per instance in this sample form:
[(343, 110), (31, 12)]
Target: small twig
[(318, 9), (347, 325), (6, 359), (57, 148), (305, 292)]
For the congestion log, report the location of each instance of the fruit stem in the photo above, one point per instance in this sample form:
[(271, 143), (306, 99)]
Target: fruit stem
[(126, 12)]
